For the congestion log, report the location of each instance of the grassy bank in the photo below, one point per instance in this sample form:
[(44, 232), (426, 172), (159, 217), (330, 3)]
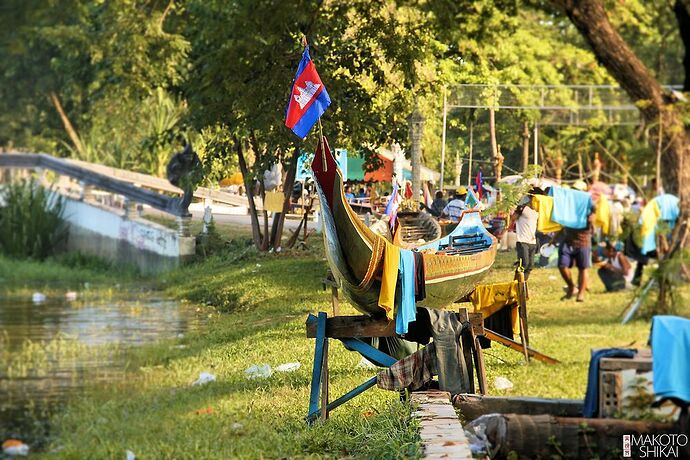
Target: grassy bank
[(256, 305), (66, 272)]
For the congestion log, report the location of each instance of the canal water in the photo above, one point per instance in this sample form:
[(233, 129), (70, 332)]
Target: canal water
[(54, 350)]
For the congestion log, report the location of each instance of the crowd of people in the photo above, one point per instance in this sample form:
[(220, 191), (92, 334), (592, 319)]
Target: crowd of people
[(602, 230), (618, 245), (614, 235)]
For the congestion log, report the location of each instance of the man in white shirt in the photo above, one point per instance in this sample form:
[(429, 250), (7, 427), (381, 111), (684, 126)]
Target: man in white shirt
[(455, 207), (525, 219)]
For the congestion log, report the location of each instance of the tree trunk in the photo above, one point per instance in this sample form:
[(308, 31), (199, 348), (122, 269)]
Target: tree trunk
[(279, 217), (71, 132), (525, 146), (249, 186), (680, 8), (546, 436), (590, 18)]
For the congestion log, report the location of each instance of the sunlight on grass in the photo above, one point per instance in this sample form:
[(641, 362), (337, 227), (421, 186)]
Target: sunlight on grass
[(256, 305)]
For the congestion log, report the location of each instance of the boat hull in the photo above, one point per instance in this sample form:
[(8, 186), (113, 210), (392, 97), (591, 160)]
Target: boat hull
[(355, 253)]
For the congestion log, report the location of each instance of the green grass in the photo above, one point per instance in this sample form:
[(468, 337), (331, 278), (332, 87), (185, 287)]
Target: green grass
[(53, 276), (256, 305)]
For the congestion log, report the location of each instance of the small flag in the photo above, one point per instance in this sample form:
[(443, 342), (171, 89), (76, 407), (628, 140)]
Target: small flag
[(392, 206), (479, 182), (471, 200), (308, 100)]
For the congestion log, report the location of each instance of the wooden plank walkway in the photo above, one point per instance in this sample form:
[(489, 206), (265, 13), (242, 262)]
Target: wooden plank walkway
[(440, 430)]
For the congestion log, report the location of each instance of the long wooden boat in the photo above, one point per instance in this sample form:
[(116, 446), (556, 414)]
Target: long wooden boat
[(453, 264)]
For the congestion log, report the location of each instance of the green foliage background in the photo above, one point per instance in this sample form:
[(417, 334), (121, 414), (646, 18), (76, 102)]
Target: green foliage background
[(135, 77)]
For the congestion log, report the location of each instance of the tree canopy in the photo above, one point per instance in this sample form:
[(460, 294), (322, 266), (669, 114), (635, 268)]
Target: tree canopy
[(122, 82)]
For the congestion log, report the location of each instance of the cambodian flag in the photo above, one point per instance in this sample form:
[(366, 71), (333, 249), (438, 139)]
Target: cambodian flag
[(308, 100)]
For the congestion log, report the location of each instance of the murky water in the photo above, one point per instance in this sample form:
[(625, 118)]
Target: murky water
[(51, 351)]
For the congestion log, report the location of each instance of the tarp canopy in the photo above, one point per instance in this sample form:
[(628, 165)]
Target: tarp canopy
[(353, 168)]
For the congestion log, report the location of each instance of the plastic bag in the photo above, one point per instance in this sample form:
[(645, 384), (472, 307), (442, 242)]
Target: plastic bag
[(204, 378), (260, 371)]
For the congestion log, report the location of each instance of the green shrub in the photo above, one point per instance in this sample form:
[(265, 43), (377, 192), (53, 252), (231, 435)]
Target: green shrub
[(31, 224)]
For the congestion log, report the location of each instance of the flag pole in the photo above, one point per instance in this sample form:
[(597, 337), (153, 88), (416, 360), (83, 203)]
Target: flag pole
[(323, 148)]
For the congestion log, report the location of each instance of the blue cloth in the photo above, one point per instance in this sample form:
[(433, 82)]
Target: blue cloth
[(571, 208), (591, 406), (671, 357), (407, 310), (668, 205)]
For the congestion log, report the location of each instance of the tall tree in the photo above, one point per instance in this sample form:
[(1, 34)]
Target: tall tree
[(372, 57), (659, 108)]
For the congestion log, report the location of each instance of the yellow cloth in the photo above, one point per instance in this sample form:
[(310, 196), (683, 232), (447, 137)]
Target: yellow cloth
[(602, 215), (649, 217), (274, 201), (389, 278), (544, 206), (490, 298)]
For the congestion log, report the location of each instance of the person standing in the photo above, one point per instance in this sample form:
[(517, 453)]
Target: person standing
[(525, 219), (576, 249)]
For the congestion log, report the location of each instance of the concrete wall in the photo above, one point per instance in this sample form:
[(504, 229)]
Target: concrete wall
[(108, 233)]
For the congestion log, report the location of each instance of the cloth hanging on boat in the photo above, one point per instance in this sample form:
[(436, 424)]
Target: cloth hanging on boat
[(544, 206), (389, 278), (602, 215), (491, 298), (411, 372), (420, 280), (443, 357), (571, 208), (591, 405), (670, 350), (452, 369), (406, 311)]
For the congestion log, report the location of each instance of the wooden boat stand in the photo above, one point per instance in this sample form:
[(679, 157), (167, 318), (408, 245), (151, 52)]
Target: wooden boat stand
[(350, 329)]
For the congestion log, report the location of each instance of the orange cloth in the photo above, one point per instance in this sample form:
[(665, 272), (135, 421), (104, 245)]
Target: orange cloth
[(389, 278), (490, 298)]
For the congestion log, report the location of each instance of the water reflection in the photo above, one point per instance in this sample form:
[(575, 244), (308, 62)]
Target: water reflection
[(50, 351)]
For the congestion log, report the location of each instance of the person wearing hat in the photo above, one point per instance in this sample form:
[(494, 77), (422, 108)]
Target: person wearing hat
[(525, 219), (455, 207)]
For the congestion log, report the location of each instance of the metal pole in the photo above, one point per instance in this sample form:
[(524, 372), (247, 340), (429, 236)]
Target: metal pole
[(469, 169), (536, 143), (443, 138)]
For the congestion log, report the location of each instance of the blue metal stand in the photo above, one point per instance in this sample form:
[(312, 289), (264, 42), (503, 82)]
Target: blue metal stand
[(319, 376)]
